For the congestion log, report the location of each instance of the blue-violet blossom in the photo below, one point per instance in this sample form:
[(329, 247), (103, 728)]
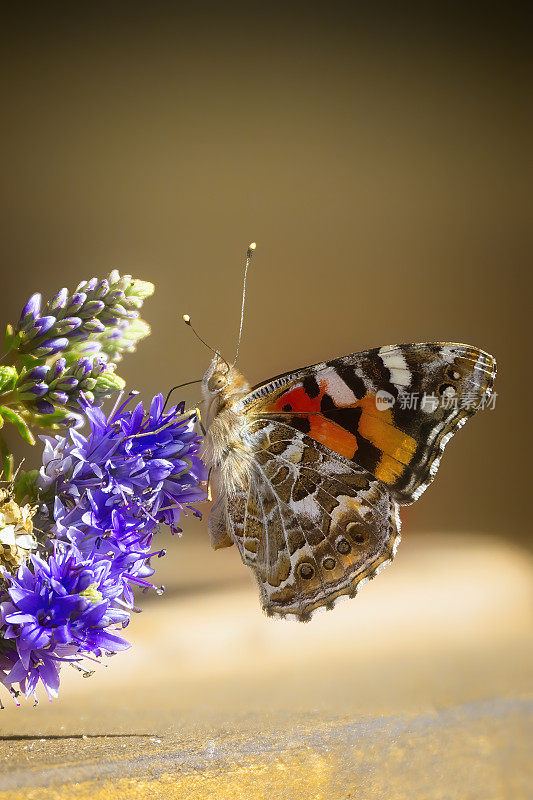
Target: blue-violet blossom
[(109, 490), (58, 611)]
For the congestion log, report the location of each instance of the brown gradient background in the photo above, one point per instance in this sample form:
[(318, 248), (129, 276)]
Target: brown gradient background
[(378, 160)]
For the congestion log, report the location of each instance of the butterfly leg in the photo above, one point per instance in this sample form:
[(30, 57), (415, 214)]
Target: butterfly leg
[(196, 412)]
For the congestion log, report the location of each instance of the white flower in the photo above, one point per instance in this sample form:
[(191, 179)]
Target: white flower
[(16, 532)]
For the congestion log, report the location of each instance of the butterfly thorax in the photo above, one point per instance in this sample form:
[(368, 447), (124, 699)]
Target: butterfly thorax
[(224, 446)]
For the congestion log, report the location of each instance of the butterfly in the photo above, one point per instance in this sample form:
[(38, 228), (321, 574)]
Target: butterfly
[(311, 467)]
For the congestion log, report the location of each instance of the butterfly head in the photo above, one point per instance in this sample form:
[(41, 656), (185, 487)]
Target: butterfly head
[(215, 378), (221, 385)]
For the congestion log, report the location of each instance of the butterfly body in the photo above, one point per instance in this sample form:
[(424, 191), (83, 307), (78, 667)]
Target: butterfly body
[(310, 467)]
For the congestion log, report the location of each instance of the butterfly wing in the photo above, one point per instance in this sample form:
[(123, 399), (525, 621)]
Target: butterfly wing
[(390, 411), (311, 526)]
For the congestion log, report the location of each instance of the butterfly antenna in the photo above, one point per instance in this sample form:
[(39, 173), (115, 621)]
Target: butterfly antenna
[(187, 320), (179, 386), (249, 254)]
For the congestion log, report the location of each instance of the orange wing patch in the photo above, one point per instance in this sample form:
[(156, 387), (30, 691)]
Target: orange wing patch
[(322, 430), (397, 448), (333, 436)]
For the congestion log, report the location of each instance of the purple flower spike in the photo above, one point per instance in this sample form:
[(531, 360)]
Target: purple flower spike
[(89, 314), (62, 385), (103, 494)]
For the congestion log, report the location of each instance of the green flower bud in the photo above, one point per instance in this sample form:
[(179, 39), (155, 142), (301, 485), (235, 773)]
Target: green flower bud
[(137, 292), (124, 339), (105, 384), (8, 378)]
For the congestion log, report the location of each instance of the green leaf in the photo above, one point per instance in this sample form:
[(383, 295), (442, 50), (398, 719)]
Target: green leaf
[(29, 361), (52, 421), (25, 487), (19, 422)]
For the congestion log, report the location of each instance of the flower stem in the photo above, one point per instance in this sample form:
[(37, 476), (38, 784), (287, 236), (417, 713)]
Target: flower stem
[(7, 460)]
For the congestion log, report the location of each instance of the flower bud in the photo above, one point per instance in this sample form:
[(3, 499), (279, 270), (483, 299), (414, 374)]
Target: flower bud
[(67, 325), (38, 328), (107, 383), (58, 301), (91, 309), (32, 308), (51, 346), (76, 302), (93, 326), (8, 377)]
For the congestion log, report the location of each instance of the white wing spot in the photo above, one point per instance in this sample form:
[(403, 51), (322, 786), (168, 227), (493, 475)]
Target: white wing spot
[(394, 361), (338, 390)]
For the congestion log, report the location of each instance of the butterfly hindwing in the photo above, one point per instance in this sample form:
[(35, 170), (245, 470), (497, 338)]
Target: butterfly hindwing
[(390, 410), (310, 525)]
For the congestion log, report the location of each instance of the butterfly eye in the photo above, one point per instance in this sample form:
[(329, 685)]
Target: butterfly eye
[(216, 382)]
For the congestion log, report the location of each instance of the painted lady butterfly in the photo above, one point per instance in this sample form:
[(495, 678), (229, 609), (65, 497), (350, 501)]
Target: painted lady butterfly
[(311, 467)]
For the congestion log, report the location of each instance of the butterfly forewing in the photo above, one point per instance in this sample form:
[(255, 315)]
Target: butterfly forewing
[(389, 410)]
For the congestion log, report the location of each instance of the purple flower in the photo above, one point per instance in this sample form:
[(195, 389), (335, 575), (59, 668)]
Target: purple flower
[(102, 492), (60, 610), (108, 491), (43, 667)]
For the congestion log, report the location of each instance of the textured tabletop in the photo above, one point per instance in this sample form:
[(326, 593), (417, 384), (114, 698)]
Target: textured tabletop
[(419, 688)]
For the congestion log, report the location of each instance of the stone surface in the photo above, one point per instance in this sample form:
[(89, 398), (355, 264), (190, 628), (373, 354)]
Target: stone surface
[(419, 688)]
